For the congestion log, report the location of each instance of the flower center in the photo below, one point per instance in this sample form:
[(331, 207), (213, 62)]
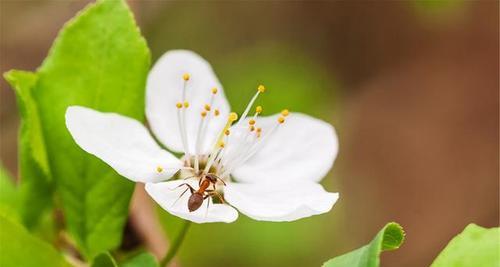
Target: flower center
[(233, 145)]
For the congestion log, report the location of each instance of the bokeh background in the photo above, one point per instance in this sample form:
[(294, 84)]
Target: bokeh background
[(412, 88)]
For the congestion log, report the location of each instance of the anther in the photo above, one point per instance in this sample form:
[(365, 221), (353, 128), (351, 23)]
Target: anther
[(207, 107), (186, 76), (186, 104), (261, 88), (252, 128), (221, 144), (227, 132), (259, 130), (216, 112), (159, 169), (285, 112), (233, 116), (203, 113), (281, 120), (258, 109), (214, 90), (251, 122), (178, 105)]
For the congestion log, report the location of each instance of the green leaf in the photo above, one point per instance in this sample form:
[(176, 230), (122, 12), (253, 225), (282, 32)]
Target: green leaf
[(104, 260), (142, 260), (36, 187), (9, 196), (474, 247), (99, 60), (389, 238), (19, 248)]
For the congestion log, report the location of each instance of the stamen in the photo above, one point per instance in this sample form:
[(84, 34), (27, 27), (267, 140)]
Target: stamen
[(251, 122), (285, 112), (181, 117), (216, 112), (260, 89), (159, 169), (232, 117)]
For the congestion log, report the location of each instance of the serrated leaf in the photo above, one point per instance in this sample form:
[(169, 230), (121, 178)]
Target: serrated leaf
[(389, 238), (474, 247), (142, 260), (19, 248), (104, 260), (99, 60), (36, 186)]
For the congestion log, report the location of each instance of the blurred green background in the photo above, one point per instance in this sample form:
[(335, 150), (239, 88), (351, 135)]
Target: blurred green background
[(411, 87)]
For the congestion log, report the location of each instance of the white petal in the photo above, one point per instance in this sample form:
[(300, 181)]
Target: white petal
[(301, 148), (167, 194), (164, 90), (279, 201), (121, 142)]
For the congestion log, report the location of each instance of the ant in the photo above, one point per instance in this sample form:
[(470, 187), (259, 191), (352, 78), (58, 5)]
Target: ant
[(198, 196)]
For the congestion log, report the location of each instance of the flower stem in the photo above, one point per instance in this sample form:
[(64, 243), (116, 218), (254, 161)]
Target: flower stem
[(176, 244)]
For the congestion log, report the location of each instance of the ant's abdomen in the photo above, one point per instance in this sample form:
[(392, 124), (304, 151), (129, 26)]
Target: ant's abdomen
[(195, 201)]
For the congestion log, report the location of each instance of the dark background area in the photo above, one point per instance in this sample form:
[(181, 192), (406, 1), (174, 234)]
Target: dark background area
[(412, 88)]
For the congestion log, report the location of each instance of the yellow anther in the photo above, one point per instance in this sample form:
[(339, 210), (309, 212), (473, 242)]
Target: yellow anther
[(221, 144), (285, 112), (252, 128), (258, 109), (251, 122), (186, 76), (216, 112), (214, 90), (207, 107), (159, 169), (203, 113), (178, 105), (261, 88), (258, 135), (233, 116), (259, 130), (281, 120), (227, 132), (186, 104)]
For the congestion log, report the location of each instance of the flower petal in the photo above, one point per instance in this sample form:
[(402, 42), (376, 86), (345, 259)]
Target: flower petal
[(164, 89), (121, 142), (301, 148), (279, 201), (167, 194)]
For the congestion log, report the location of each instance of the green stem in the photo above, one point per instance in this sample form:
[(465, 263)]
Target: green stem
[(176, 244)]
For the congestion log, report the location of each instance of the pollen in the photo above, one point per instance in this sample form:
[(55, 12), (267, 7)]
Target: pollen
[(233, 116), (259, 130), (222, 144), (159, 169), (178, 105), (186, 104), (207, 107), (227, 132), (186, 77), (214, 90), (251, 122), (281, 120), (258, 109), (252, 128), (285, 112), (216, 112), (203, 114), (261, 88)]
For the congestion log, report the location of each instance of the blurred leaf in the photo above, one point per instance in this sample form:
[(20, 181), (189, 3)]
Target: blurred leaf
[(389, 238), (474, 247), (8, 195), (99, 60), (36, 187), (142, 260), (104, 260), (19, 248)]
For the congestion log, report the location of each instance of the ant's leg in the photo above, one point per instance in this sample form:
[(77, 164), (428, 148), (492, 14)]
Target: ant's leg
[(208, 205), (181, 195), (189, 177), (215, 193), (186, 184)]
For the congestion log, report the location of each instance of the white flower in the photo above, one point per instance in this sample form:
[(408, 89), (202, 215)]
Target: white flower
[(266, 167)]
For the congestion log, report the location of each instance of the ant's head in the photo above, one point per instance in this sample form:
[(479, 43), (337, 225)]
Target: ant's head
[(212, 177)]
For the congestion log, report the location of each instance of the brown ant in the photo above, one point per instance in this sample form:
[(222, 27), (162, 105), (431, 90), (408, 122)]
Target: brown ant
[(198, 196)]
